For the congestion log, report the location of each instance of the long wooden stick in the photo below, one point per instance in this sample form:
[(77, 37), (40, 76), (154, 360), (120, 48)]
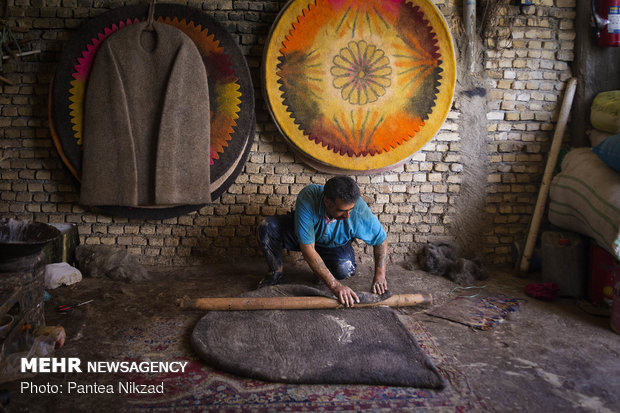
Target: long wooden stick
[(548, 174), (31, 52), (5, 80), (295, 303)]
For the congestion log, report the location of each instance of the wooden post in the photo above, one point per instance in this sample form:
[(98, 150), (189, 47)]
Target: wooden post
[(548, 174)]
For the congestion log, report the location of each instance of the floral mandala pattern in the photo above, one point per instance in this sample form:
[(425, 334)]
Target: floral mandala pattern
[(359, 84), (362, 72)]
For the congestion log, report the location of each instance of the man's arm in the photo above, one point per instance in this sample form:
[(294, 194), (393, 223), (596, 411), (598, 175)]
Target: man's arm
[(379, 283), (345, 295)]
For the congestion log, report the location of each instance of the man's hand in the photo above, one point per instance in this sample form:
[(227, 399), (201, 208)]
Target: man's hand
[(379, 284), (346, 295)]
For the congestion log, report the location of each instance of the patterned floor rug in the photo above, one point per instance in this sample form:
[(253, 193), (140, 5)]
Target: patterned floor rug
[(204, 389), (482, 312)]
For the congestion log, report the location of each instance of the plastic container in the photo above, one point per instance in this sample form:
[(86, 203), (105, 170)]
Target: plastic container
[(565, 262), (604, 274)]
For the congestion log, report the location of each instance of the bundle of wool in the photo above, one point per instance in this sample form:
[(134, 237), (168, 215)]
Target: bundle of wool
[(442, 259), (98, 261)]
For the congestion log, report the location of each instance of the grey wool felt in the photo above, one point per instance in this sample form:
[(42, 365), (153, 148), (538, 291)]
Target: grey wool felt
[(341, 346), (146, 121)]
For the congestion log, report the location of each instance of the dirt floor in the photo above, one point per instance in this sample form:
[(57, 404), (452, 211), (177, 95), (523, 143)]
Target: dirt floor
[(546, 357)]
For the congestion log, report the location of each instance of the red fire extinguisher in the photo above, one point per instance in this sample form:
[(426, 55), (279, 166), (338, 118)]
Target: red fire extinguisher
[(607, 17)]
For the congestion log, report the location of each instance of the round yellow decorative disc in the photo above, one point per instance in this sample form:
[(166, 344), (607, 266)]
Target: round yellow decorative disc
[(359, 85)]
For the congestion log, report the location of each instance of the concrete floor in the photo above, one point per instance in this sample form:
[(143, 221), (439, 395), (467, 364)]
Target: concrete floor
[(547, 357)]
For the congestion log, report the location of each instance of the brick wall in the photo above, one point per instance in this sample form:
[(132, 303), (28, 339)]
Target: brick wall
[(529, 73), (526, 66)]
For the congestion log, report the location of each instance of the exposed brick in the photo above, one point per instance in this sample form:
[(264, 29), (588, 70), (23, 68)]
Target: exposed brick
[(527, 64)]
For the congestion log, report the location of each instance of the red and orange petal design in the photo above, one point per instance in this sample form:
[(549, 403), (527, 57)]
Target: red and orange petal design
[(359, 78)]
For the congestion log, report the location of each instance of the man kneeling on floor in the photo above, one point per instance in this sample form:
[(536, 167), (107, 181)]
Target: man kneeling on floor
[(323, 226)]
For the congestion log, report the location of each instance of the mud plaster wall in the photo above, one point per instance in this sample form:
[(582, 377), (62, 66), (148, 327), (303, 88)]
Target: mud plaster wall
[(475, 182)]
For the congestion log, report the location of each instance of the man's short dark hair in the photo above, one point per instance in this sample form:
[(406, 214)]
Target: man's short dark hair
[(343, 188)]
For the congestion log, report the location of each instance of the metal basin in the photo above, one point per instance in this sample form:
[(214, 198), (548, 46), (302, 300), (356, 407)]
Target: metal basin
[(24, 238)]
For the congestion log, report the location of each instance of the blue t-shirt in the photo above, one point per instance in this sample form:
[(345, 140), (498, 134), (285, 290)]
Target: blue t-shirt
[(311, 225)]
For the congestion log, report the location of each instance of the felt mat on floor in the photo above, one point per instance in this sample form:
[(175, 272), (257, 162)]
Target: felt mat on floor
[(482, 312), (201, 388), (338, 346)]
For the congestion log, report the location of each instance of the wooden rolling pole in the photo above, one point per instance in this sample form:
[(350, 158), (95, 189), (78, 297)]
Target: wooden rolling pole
[(548, 174), (295, 303)]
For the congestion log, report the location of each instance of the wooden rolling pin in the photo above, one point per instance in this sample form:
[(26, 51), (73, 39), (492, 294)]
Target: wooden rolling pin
[(295, 303)]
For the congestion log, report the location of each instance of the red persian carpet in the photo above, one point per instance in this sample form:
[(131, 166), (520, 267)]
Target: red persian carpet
[(201, 388)]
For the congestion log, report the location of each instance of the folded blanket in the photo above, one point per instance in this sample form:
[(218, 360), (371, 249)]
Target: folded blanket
[(585, 198)]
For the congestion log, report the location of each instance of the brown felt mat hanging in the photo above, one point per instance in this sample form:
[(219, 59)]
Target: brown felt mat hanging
[(232, 95), (346, 346)]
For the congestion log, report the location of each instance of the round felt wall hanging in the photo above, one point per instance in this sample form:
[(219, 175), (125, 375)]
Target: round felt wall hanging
[(231, 94), (359, 85)]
